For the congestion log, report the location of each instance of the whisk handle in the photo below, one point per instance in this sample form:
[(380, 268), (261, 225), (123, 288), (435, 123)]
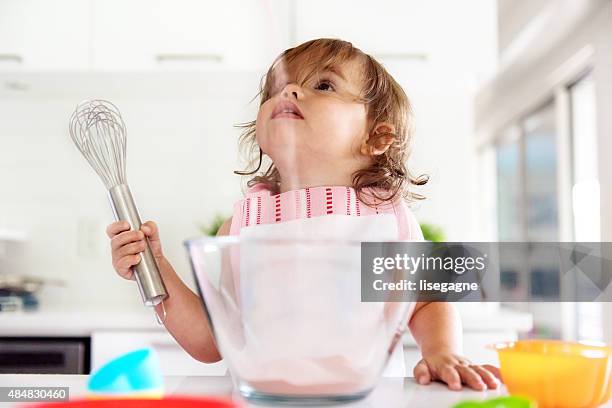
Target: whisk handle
[(150, 283)]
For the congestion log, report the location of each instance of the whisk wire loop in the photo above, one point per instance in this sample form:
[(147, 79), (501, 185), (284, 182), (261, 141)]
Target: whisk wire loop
[(98, 131)]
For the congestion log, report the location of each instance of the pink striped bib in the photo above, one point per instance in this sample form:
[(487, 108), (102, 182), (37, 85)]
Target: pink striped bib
[(260, 207)]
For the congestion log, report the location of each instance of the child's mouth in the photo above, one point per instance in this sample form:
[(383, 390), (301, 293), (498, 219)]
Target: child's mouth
[(286, 109), (288, 115)]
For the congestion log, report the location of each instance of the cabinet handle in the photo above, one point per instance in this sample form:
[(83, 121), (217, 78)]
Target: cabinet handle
[(11, 57), (189, 57)]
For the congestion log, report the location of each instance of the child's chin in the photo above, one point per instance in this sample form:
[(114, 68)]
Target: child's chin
[(284, 134), (285, 123)]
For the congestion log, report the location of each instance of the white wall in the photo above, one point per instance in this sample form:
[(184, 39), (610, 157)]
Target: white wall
[(443, 148), (181, 153)]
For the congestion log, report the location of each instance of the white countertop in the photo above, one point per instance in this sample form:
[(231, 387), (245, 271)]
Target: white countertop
[(391, 392), (62, 321)]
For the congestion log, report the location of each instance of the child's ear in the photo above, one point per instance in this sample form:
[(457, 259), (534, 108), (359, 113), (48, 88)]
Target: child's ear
[(379, 141)]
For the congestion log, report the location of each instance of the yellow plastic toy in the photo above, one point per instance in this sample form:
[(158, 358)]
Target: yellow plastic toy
[(556, 373)]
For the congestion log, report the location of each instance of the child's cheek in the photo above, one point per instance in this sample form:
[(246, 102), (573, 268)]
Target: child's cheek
[(261, 113), (260, 134)]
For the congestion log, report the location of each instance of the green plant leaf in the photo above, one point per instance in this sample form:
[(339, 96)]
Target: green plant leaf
[(213, 226), (433, 233)]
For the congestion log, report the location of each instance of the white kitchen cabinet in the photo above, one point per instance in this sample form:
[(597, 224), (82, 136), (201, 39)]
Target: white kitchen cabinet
[(106, 345), (141, 35), (45, 35), (388, 29), (186, 34)]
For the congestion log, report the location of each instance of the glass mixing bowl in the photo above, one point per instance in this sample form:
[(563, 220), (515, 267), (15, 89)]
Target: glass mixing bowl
[(288, 318)]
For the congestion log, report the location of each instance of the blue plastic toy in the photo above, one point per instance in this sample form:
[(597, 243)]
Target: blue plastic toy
[(135, 374)]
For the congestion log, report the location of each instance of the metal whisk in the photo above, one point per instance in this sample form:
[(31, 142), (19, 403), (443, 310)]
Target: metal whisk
[(98, 131)]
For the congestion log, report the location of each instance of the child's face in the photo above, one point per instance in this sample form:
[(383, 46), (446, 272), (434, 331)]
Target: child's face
[(328, 127)]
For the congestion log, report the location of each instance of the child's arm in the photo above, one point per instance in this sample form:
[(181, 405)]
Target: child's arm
[(436, 327), (185, 318)]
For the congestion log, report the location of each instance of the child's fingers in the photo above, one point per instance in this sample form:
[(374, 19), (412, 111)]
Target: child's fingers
[(487, 377), (471, 378), (421, 373), (124, 264), (451, 377), (151, 231), (117, 227), (128, 274), (124, 238), (493, 370), (132, 249)]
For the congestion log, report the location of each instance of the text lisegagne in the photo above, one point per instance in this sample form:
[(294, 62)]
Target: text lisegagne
[(425, 286)]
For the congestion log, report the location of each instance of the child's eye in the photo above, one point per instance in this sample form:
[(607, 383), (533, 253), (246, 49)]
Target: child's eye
[(325, 85)]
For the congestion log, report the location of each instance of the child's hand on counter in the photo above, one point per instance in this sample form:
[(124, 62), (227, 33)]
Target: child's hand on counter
[(455, 370), (126, 245)]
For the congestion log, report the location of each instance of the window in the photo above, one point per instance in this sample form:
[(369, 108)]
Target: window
[(508, 156), (528, 206), (541, 217), (528, 211), (585, 191), (509, 212), (541, 175)]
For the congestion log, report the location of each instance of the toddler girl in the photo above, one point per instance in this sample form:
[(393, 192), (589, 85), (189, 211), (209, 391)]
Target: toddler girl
[(336, 129)]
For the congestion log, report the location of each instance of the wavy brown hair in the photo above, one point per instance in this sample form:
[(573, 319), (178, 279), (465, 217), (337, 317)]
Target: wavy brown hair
[(387, 177)]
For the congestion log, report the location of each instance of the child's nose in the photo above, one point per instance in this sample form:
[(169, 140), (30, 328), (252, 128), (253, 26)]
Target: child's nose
[(292, 90)]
